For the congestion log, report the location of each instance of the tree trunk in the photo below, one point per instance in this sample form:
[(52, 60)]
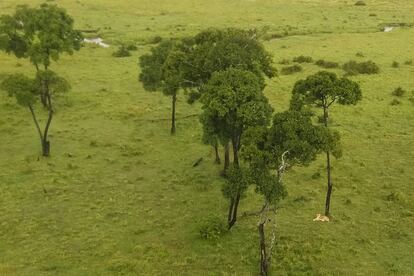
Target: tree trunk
[(174, 100), (37, 126), (264, 265), (234, 211), (328, 167), (329, 191), (217, 161), (235, 152), (226, 158), (45, 142), (230, 211)]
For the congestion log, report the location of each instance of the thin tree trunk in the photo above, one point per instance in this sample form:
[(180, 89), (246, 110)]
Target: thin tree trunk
[(330, 186), (235, 152), (37, 125), (234, 212), (174, 100), (217, 161), (226, 158), (328, 168), (45, 142), (230, 211), (264, 261)]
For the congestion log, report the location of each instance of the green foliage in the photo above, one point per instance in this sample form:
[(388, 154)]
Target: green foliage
[(236, 183), (326, 64), (40, 34), (288, 70), (354, 68), (235, 101), (303, 59), (408, 62), (323, 89), (212, 228), (22, 88), (122, 52), (215, 50), (161, 68), (399, 92)]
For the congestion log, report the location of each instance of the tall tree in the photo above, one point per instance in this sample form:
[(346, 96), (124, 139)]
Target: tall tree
[(41, 35), (161, 70), (215, 50), (322, 90), (234, 99), (292, 136)]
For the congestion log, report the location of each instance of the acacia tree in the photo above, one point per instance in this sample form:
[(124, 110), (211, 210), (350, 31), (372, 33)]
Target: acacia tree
[(292, 136), (40, 35), (234, 99), (161, 70), (322, 90)]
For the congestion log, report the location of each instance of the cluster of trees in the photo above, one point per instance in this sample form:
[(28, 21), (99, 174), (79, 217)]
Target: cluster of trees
[(226, 70), (223, 69), (39, 35)]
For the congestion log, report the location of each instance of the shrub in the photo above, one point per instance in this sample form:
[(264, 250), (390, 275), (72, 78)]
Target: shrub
[(399, 92), (327, 64), (131, 47), (288, 70), (395, 64), (284, 61), (212, 229), (360, 3), (122, 52), (303, 59), (360, 54), (156, 39), (395, 102), (408, 62), (354, 68)]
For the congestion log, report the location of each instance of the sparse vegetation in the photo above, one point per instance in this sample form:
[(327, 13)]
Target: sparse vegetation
[(398, 92), (122, 51), (360, 3)]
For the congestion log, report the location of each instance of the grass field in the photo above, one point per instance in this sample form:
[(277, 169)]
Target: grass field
[(119, 195)]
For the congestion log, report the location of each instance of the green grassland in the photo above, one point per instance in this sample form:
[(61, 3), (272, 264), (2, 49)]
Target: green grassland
[(119, 195)]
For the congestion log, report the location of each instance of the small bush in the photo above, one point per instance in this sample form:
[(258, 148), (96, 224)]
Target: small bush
[(288, 70), (373, 14), (284, 61), (131, 47), (212, 229), (395, 64), (303, 59), (395, 102), (122, 52), (399, 92), (359, 54), (360, 3), (327, 64), (408, 62), (354, 68), (156, 39)]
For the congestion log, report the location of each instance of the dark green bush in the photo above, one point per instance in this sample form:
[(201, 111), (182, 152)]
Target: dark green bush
[(360, 3), (395, 64), (327, 64), (408, 62), (354, 68), (288, 70), (121, 52), (212, 228), (303, 59), (359, 54), (395, 102), (284, 61), (399, 92)]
